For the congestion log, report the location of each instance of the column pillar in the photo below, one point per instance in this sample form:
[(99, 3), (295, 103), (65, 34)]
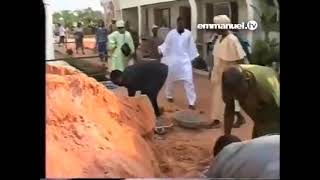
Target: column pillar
[(49, 30), (194, 17)]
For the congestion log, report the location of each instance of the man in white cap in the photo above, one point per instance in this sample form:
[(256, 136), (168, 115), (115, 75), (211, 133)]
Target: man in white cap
[(118, 41), (155, 42), (178, 50), (227, 51), (148, 48)]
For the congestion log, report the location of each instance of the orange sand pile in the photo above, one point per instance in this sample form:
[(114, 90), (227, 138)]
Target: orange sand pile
[(90, 132)]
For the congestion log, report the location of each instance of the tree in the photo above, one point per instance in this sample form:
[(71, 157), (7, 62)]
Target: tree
[(88, 17), (268, 17), (266, 51)]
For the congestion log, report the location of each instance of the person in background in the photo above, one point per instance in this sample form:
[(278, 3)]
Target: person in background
[(245, 46), (211, 39), (145, 77), (257, 90), (101, 41), (178, 50), (155, 42), (255, 158), (117, 39), (163, 31), (78, 35), (134, 34), (227, 51), (144, 49), (62, 34), (112, 26)]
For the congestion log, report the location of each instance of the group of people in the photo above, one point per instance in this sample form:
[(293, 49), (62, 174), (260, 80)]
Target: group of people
[(77, 32), (235, 86)]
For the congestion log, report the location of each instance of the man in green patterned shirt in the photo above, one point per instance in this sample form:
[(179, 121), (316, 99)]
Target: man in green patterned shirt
[(258, 91)]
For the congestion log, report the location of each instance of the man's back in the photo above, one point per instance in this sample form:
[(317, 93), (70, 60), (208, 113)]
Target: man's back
[(143, 76), (256, 158), (263, 101)]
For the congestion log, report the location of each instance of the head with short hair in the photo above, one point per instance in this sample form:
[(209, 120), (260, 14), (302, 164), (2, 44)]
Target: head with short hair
[(79, 24), (116, 77), (101, 23), (113, 21), (234, 83), (58, 24), (180, 25), (223, 141)]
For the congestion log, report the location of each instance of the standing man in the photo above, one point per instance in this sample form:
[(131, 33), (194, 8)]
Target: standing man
[(78, 35), (178, 50), (117, 40), (258, 91), (163, 30), (155, 42), (62, 34), (134, 34), (101, 40), (227, 51)]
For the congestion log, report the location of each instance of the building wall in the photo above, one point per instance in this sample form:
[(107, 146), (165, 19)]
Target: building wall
[(134, 3), (131, 15), (174, 13)]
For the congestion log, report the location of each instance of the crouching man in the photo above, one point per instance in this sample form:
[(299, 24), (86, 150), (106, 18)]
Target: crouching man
[(146, 77), (255, 158)]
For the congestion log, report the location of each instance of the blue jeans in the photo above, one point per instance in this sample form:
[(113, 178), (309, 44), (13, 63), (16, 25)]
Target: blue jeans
[(102, 49)]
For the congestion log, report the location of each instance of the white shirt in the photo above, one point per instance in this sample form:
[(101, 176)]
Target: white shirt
[(178, 51), (256, 158), (62, 31)]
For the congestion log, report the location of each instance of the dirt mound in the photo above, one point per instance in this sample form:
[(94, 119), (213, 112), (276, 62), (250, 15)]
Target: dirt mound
[(90, 132)]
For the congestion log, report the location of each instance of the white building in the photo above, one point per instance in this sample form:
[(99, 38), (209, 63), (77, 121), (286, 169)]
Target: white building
[(142, 14)]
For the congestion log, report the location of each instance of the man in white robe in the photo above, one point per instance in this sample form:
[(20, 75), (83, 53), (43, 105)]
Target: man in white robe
[(178, 50), (227, 51)]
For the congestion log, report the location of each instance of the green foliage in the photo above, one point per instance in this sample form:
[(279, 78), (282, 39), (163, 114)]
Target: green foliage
[(264, 53), (88, 17), (268, 17)]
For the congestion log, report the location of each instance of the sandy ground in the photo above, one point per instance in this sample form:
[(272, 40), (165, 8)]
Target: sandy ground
[(186, 152)]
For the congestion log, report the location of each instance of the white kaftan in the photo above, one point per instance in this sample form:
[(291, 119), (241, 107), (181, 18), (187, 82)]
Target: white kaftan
[(225, 54), (178, 51)]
